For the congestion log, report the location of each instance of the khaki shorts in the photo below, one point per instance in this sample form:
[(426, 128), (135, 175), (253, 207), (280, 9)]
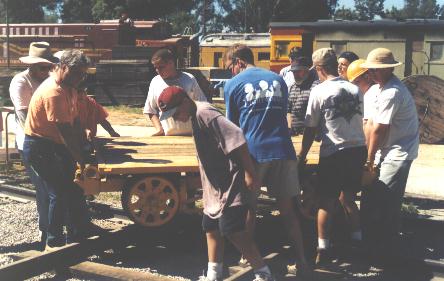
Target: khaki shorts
[(280, 177)]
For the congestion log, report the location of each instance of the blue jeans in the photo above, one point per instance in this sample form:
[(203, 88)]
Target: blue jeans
[(41, 191), (54, 166), (381, 204)]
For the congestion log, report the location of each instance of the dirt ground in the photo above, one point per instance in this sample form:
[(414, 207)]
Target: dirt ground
[(127, 116)]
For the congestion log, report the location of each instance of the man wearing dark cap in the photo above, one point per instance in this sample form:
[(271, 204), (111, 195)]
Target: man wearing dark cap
[(227, 172), (285, 72), (298, 93), (335, 110)]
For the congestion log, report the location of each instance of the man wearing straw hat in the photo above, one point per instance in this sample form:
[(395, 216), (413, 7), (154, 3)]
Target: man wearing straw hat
[(21, 89), (393, 145)]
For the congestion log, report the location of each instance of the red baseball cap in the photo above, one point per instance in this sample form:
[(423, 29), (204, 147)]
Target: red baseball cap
[(168, 101)]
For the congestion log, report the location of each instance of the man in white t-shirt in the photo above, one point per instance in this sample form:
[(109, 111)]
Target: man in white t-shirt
[(40, 61), (393, 145), (163, 61), (334, 112)]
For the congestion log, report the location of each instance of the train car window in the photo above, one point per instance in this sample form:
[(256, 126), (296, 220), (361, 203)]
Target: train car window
[(281, 49), (56, 31), (261, 56), (436, 51), (339, 47), (217, 56)]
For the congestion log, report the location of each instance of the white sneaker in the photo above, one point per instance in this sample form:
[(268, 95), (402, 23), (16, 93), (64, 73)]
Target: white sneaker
[(263, 277), (204, 278)]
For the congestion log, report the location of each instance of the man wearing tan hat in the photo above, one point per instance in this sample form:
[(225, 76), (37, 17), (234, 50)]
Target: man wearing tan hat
[(22, 87), (361, 78), (334, 112), (393, 145)]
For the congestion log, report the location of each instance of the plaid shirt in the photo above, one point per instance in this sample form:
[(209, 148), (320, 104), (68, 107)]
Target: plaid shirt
[(298, 100)]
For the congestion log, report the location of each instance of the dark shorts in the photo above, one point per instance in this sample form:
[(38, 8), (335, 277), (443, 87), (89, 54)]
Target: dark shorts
[(231, 221), (341, 171)]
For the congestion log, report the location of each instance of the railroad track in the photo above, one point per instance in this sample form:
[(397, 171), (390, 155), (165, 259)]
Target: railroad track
[(73, 256)]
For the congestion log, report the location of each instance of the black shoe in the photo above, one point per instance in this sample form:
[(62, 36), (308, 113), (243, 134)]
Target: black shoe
[(323, 257)]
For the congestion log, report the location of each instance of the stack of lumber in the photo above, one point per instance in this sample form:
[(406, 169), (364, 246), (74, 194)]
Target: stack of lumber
[(144, 155)]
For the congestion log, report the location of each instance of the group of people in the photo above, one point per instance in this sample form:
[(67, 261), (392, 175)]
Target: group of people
[(55, 119), (362, 114)]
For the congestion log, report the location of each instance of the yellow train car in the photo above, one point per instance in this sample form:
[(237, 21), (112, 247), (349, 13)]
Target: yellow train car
[(213, 47)]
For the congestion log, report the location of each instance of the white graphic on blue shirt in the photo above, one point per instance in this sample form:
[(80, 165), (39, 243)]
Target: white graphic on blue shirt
[(264, 94)]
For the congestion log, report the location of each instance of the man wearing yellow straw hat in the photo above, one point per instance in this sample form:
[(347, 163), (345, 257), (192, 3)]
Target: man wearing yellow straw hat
[(393, 145), (361, 78), (40, 61)]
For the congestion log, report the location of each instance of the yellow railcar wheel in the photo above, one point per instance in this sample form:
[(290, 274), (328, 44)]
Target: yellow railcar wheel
[(151, 202)]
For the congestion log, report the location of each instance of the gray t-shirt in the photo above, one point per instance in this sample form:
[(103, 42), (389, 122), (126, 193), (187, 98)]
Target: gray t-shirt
[(395, 107), (223, 179), (335, 106)]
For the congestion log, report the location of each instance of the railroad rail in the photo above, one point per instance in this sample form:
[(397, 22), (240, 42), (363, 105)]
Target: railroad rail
[(72, 257)]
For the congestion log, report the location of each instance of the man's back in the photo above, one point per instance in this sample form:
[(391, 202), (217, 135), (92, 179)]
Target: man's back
[(395, 106), (257, 100), (336, 105)]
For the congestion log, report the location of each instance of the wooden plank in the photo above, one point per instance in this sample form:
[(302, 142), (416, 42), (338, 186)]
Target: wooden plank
[(97, 271), (168, 154), (248, 269), (65, 256)]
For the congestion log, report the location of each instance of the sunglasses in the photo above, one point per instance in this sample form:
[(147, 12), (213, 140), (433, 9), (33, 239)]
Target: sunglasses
[(372, 70)]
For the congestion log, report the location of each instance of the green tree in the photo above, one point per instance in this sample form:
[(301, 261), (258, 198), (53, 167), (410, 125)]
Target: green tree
[(422, 9), (368, 9), (303, 10), (346, 14), (77, 11), (428, 9), (25, 11), (394, 13)]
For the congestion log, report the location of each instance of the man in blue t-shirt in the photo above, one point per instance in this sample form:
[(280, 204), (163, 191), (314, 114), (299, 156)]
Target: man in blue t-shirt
[(257, 100)]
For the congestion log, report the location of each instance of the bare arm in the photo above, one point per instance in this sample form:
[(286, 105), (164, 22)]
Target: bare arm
[(307, 141), (107, 126), (251, 178), (156, 123), (377, 136), (71, 139), (368, 126), (21, 116), (289, 121)]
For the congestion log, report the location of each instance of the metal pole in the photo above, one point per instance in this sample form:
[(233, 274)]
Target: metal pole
[(245, 17), (7, 35)]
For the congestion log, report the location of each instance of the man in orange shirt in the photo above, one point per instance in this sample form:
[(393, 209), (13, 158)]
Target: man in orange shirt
[(52, 146)]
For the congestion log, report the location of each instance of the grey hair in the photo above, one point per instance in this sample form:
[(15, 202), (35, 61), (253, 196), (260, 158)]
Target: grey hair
[(74, 58)]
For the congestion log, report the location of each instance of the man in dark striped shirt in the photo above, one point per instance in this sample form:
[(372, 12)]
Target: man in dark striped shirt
[(299, 92)]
